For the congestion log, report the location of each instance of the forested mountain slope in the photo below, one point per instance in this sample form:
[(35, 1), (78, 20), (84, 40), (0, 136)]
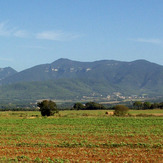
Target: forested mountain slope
[(65, 78)]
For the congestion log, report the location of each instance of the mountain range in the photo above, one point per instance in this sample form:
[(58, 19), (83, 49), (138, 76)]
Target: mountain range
[(67, 79)]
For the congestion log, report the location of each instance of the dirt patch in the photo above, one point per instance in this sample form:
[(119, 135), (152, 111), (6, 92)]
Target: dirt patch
[(85, 154)]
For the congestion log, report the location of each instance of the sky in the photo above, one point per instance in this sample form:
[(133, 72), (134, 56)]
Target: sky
[(34, 32)]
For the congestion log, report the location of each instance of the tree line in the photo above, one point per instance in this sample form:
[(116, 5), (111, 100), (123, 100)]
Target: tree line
[(139, 105), (49, 108), (88, 106)]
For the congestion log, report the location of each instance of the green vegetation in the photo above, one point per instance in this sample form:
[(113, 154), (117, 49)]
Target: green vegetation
[(147, 105), (78, 106), (88, 106), (138, 105), (66, 79), (47, 108), (94, 106), (80, 135), (120, 110), (83, 105)]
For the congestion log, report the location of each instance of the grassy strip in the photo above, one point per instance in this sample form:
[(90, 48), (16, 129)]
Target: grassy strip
[(102, 145)]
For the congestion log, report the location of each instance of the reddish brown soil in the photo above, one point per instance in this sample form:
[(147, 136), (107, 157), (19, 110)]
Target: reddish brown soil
[(121, 154)]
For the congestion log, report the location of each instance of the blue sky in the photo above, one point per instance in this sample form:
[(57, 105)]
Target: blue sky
[(34, 32)]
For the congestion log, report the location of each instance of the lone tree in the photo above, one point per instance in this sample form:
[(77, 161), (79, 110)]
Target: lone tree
[(120, 110), (47, 107)]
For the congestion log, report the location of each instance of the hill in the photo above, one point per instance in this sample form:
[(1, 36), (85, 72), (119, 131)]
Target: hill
[(6, 72), (67, 79)]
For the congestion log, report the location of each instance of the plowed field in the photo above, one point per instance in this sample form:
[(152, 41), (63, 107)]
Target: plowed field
[(81, 139)]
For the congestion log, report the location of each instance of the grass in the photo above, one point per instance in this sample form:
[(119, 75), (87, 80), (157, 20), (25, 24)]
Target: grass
[(151, 111), (76, 113), (80, 136)]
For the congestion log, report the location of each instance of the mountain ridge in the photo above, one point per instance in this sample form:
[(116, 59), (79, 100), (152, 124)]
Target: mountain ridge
[(6, 72), (76, 79), (61, 65)]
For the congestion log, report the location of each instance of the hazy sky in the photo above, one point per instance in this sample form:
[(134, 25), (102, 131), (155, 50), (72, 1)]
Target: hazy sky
[(33, 32)]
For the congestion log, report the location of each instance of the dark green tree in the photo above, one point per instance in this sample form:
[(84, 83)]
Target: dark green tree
[(154, 105), (120, 110), (138, 105), (160, 105), (93, 106), (78, 106), (47, 107), (147, 105)]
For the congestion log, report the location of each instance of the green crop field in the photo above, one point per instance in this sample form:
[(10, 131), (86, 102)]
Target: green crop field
[(81, 136)]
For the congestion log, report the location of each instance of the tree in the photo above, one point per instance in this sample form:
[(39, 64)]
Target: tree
[(120, 110), (47, 107), (78, 106), (147, 105), (161, 105), (93, 106), (155, 105), (138, 104)]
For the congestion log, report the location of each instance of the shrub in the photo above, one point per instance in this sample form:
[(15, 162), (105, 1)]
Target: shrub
[(47, 108), (121, 110)]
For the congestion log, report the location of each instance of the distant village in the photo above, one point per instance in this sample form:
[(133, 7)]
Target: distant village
[(117, 96)]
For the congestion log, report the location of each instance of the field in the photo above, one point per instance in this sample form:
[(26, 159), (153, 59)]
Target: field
[(81, 136)]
